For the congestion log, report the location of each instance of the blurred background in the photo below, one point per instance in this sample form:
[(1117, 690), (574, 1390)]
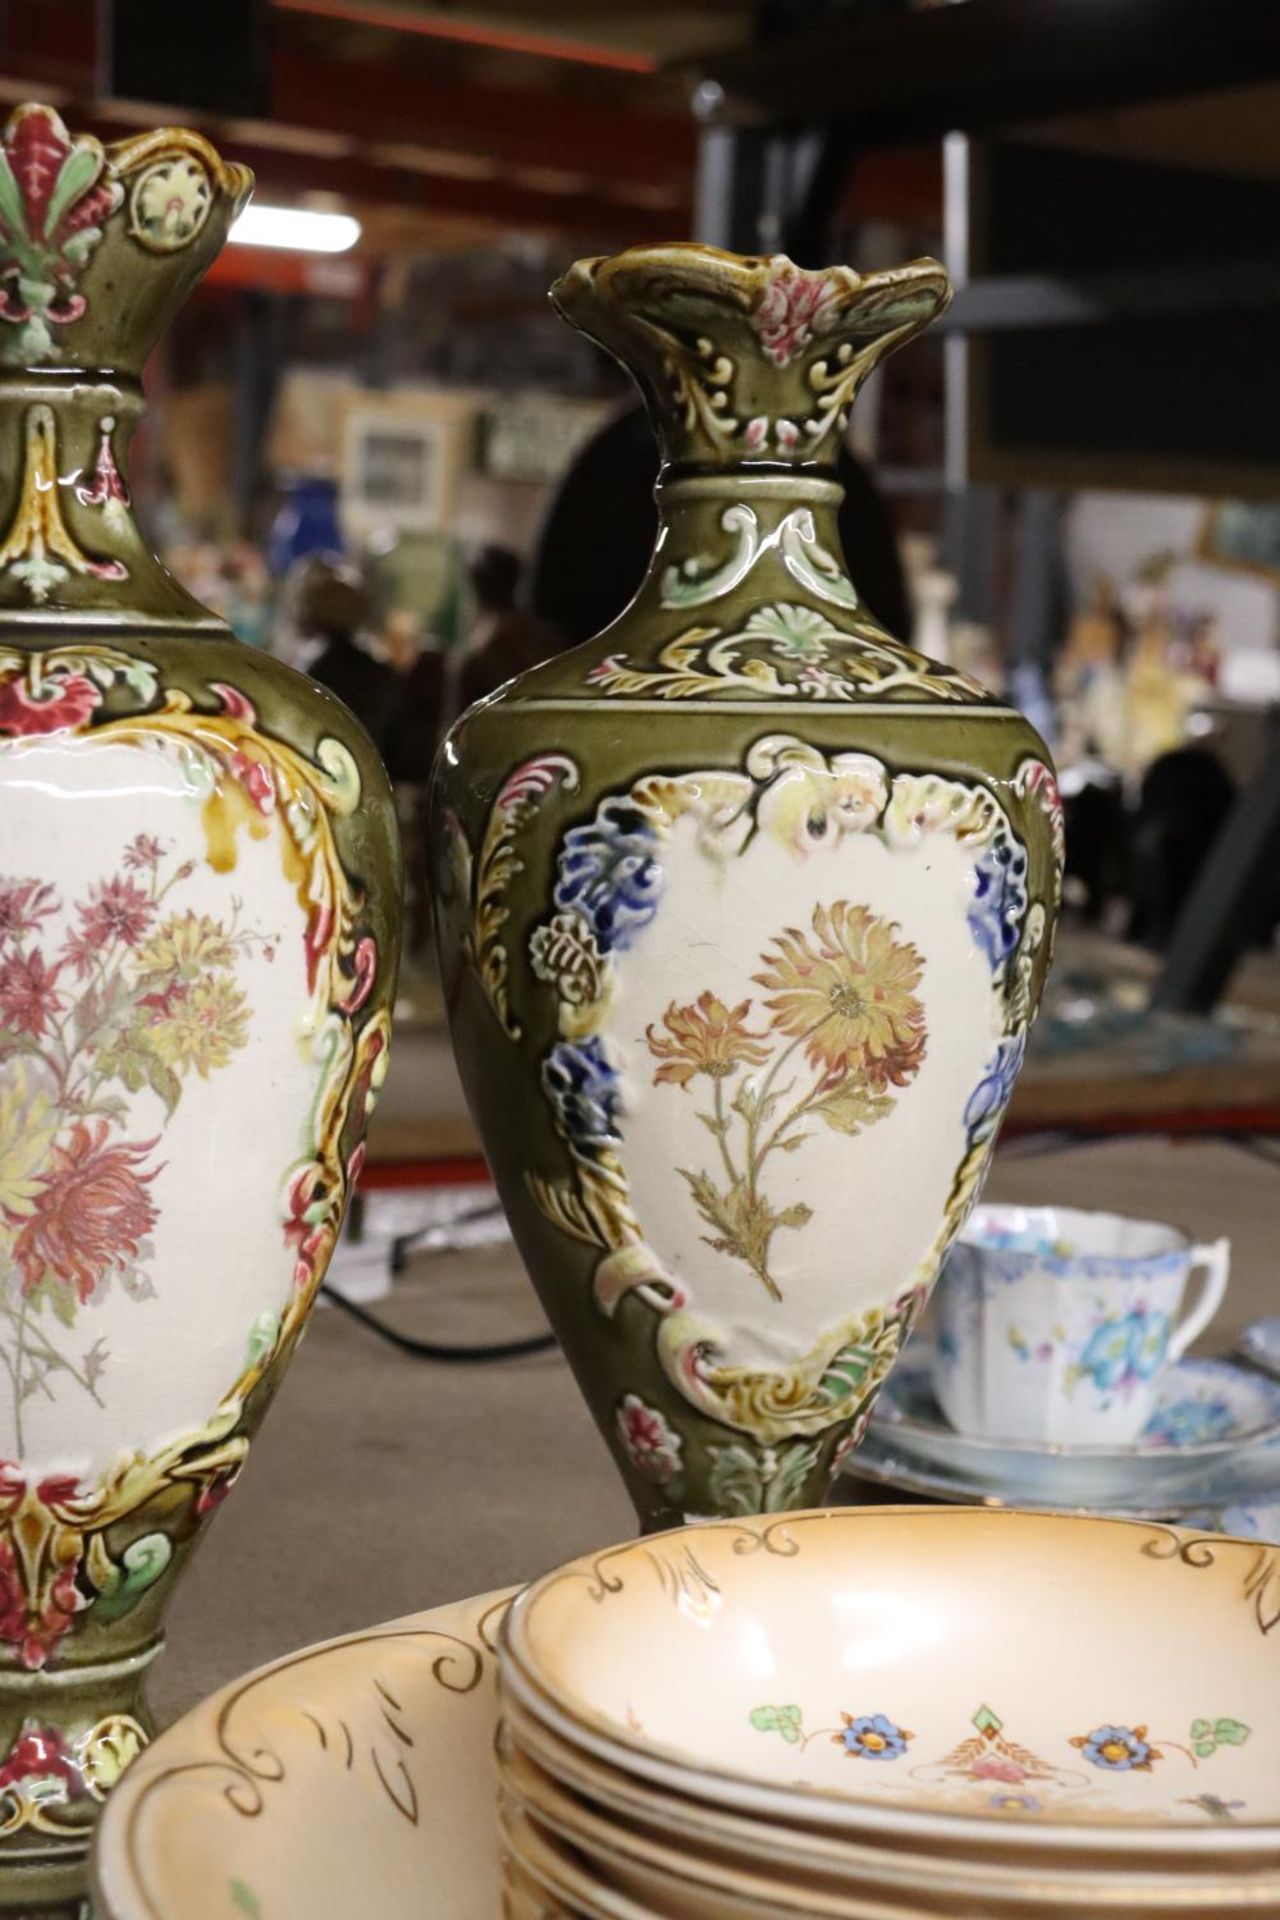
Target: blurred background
[(375, 449)]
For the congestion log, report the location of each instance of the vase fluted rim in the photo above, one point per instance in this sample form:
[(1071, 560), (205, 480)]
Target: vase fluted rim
[(747, 359), (101, 242)]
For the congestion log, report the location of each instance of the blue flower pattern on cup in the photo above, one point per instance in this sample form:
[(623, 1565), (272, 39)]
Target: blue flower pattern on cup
[(582, 1086), (1122, 1350), (999, 902), (609, 873)]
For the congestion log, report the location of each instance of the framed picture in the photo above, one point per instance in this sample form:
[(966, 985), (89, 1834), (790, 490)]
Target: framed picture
[(402, 454), (1245, 535)]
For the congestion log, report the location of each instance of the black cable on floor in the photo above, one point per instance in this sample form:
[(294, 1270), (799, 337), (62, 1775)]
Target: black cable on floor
[(428, 1349)]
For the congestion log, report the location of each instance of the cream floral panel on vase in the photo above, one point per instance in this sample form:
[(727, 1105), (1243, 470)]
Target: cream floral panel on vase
[(849, 1017), (159, 1062)]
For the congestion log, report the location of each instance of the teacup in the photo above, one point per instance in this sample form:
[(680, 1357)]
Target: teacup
[(1055, 1325)]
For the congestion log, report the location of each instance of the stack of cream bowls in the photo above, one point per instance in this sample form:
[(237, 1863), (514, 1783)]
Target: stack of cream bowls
[(887, 1712)]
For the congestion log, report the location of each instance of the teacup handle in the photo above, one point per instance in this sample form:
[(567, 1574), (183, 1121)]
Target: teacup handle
[(1215, 1260)]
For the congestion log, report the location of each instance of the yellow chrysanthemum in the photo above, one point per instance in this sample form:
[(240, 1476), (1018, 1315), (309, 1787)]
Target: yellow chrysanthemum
[(186, 944), (707, 1037), (28, 1123), (205, 1027), (849, 994)]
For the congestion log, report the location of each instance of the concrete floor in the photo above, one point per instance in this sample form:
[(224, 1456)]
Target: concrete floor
[(382, 1484)]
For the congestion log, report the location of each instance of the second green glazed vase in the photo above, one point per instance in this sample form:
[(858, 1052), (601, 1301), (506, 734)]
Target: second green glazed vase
[(744, 912), (199, 919)]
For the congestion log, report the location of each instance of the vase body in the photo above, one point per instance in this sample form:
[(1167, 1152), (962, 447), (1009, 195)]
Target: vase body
[(198, 911), (744, 911)]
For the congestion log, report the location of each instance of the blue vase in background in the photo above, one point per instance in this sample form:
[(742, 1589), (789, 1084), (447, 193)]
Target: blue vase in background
[(306, 521)]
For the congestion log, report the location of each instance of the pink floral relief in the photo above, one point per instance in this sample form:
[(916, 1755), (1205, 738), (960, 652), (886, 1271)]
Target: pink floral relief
[(792, 307), (65, 701), (650, 1443), (110, 1004)]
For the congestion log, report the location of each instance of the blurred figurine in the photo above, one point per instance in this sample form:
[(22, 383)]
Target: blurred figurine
[(1159, 696), (505, 639), (1089, 683)]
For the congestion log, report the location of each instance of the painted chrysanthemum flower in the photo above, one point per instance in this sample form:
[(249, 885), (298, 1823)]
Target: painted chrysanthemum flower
[(29, 996), (117, 909), (186, 944), (707, 1037), (1118, 1749), (92, 1214), (650, 1443), (144, 850), (203, 1026), (850, 995), (23, 905), (872, 1736), (28, 1126)]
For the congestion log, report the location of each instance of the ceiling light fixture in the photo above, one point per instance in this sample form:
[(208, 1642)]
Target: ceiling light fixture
[(299, 228)]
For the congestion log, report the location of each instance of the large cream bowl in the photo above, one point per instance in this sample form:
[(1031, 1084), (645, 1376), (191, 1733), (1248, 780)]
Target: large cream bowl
[(949, 1678)]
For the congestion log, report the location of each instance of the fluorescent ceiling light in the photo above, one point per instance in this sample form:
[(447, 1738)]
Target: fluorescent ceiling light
[(297, 227)]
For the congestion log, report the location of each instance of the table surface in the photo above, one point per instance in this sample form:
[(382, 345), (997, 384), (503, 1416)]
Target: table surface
[(383, 1484)]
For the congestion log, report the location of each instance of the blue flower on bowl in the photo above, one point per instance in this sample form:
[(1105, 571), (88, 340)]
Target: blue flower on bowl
[(1015, 1803), (1118, 1749), (609, 873), (583, 1088), (873, 1736)]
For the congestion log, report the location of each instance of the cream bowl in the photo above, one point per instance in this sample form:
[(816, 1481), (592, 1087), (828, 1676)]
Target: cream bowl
[(581, 1792), (946, 1676)]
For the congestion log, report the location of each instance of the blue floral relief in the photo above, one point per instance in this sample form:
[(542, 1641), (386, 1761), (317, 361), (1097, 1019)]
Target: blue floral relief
[(999, 902), (990, 1097), (609, 873), (583, 1088)]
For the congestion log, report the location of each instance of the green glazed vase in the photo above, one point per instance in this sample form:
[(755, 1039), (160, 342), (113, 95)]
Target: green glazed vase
[(199, 888), (744, 912)]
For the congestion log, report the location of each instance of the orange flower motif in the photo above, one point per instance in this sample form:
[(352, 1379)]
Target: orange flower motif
[(850, 994), (707, 1038)]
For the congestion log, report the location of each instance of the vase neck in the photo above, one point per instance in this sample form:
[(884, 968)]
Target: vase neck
[(72, 556), (715, 529)]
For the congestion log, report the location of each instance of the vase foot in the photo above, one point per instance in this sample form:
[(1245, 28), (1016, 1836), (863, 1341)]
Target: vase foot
[(67, 1733)]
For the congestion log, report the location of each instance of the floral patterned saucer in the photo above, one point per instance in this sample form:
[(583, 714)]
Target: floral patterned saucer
[(1259, 1344), (1251, 1520), (1213, 1440)]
